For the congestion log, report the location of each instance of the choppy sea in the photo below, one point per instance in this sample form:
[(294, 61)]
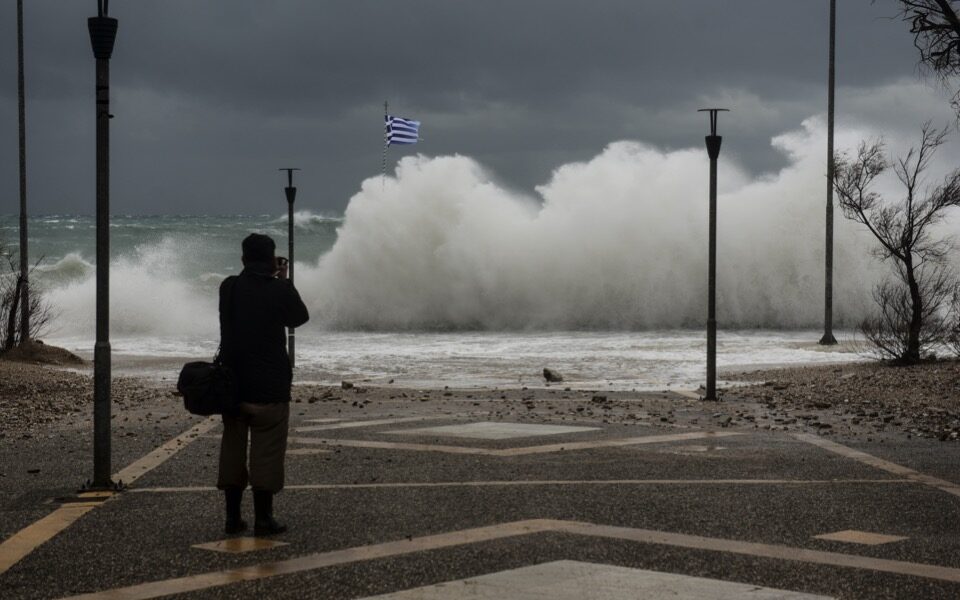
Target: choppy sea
[(165, 271)]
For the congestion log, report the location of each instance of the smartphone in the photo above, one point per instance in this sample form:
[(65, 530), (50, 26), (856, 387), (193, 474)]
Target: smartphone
[(281, 263)]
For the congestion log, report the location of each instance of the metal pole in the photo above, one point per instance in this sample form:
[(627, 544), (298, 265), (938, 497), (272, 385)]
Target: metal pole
[(291, 193), (713, 150), (103, 32), (386, 142), (828, 338), (24, 259)]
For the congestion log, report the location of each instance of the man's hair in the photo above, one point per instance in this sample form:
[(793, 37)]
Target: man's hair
[(258, 248)]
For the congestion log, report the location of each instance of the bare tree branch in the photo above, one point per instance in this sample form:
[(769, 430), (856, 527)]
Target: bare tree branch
[(41, 313), (935, 25), (912, 306)]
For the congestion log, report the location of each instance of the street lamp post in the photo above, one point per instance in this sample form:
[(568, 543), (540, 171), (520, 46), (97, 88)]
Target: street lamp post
[(713, 150), (24, 248), (291, 193), (103, 33), (828, 338)]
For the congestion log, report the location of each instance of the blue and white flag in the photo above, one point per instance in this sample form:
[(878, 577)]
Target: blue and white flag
[(401, 131)]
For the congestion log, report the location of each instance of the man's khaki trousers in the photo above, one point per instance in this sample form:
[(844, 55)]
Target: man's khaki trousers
[(267, 425)]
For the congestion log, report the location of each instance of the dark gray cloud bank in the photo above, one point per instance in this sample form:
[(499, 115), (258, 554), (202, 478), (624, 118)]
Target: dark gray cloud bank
[(211, 97)]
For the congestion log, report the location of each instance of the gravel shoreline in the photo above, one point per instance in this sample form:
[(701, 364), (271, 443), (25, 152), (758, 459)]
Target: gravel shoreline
[(851, 400), (36, 396), (919, 400)]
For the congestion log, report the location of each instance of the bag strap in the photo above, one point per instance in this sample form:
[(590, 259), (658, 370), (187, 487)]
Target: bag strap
[(226, 324)]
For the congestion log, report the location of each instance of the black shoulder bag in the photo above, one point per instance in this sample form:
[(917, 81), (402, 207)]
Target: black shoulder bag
[(210, 388)]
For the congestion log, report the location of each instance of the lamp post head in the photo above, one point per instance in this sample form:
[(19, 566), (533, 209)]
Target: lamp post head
[(713, 117), (289, 171), (103, 33)]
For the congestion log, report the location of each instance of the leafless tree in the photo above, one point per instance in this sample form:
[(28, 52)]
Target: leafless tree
[(912, 303), (935, 25), (11, 296), (889, 331), (953, 325)]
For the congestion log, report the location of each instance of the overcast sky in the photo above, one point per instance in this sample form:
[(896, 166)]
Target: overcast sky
[(211, 97)]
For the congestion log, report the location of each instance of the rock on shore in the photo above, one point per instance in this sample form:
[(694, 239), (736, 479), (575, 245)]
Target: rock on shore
[(921, 400), (34, 395), (552, 375)]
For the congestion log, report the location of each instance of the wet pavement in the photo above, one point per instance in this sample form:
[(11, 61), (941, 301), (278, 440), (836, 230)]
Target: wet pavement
[(414, 499)]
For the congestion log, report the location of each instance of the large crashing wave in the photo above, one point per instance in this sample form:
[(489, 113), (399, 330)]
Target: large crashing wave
[(148, 296), (619, 241)]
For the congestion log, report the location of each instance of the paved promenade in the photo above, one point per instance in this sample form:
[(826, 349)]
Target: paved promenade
[(409, 499)]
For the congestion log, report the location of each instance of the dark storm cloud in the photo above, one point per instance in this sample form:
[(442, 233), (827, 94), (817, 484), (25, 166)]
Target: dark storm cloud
[(212, 97)]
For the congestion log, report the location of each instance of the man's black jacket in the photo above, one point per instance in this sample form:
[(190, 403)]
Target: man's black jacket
[(255, 307)]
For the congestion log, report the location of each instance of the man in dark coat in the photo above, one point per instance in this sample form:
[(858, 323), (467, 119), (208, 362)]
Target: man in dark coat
[(255, 307)]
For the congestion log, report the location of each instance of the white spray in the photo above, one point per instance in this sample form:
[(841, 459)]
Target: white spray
[(618, 242)]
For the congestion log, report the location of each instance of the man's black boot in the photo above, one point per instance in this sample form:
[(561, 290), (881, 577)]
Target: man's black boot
[(263, 508), (233, 524)]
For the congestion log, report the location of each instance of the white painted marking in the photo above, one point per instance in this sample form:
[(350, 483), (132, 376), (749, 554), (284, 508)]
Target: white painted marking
[(885, 465), (492, 430), (615, 443), (389, 445), (306, 451), (371, 423), (523, 450), (574, 580), (322, 420), (691, 450), (545, 482)]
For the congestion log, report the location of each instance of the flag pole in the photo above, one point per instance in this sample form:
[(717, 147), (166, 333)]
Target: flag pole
[(383, 172)]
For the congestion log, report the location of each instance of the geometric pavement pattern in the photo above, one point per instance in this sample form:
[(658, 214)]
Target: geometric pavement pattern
[(14, 548)]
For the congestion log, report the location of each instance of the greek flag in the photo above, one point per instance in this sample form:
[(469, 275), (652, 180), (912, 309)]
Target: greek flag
[(401, 131)]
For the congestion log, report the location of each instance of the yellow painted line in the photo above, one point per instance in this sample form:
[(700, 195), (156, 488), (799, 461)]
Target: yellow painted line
[(28, 539), (520, 451), (171, 490), (321, 560), (545, 482), (239, 545), (885, 465), (141, 467), (97, 495), (763, 550), (852, 536), (316, 561)]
